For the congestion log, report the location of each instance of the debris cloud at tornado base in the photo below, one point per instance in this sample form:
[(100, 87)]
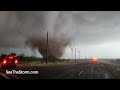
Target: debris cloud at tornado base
[(56, 48)]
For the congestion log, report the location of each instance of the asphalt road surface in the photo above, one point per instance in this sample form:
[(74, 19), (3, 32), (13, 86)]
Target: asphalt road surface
[(75, 71)]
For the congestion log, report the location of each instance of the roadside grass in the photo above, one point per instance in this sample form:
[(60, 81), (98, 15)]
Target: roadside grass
[(39, 63), (114, 70)]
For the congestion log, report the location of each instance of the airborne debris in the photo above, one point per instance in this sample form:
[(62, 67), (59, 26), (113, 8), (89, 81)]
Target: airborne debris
[(55, 47)]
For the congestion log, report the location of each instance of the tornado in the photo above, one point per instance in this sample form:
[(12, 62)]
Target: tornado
[(56, 48), (29, 28)]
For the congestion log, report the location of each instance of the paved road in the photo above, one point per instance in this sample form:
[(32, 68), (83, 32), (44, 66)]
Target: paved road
[(74, 71)]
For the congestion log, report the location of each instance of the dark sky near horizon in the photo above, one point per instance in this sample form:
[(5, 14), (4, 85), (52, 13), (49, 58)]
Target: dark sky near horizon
[(93, 33)]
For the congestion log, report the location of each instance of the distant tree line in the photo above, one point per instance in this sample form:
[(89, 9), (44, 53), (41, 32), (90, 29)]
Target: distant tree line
[(22, 57)]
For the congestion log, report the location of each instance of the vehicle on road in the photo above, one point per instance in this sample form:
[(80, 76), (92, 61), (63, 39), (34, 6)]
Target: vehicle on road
[(94, 60), (9, 61)]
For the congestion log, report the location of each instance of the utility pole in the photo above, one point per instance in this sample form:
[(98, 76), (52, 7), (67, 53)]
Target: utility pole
[(72, 53), (75, 54), (54, 40), (47, 49), (79, 54)]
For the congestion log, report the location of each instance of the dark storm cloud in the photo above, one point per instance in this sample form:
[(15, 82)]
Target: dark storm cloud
[(28, 28), (83, 27), (97, 27)]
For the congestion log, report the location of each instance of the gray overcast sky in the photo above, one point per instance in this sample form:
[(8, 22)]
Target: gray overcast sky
[(93, 33)]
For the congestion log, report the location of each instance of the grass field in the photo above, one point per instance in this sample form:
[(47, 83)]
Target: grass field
[(114, 70)]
